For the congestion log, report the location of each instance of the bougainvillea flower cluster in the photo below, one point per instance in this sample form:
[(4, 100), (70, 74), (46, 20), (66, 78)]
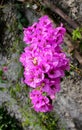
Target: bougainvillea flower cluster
[(44, 62)]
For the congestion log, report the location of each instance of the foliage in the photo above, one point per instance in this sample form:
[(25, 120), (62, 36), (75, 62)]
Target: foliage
[(49, 120), (2, 77), (22, 21), (43, 121), (7, 122), (1, 73), (77, 34)]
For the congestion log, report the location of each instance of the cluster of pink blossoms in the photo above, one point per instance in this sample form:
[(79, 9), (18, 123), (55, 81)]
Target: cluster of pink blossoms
[(44, 62)]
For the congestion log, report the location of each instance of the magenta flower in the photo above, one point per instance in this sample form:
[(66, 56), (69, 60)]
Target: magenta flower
[(40, 103), (44, 62), (51, 87), (5, 68), (33, 77), (55, 73)]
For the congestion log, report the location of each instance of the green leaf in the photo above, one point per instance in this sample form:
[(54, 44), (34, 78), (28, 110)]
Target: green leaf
[(76, 34), (2, 89), (1, 72), (20, 26)]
